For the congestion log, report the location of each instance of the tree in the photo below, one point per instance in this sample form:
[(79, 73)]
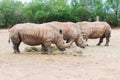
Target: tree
[(40, 11), (10, 12)]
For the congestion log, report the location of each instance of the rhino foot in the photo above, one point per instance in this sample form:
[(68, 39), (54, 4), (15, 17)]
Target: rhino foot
[(97, 44), (16, 51), (106, 44)]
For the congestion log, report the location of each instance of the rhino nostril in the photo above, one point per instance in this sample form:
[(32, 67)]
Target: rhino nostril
[(83, 47)]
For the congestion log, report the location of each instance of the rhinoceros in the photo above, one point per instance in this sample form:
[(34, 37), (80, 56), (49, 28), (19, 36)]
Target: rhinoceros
[(94, 30), (36, 34), (71, 32)]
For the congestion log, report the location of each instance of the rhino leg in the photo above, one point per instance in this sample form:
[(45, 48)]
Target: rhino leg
[(101, 40), (43, 48), (46, 48), (16, 48), (16, 42), (107, 39)]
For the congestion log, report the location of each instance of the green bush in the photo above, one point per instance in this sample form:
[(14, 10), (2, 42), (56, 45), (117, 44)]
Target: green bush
[(39, 11)]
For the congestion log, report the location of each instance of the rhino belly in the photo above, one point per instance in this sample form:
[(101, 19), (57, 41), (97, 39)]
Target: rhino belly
[(31, 40), (96, 33), (95, 36)]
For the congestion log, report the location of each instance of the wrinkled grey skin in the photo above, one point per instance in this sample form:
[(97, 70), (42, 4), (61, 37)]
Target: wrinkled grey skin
[(36, 34), (71, 32), (94, 30)]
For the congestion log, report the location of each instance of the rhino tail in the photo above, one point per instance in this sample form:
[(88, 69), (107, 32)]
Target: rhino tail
[(9, 36), (9, 39), (108, 33)]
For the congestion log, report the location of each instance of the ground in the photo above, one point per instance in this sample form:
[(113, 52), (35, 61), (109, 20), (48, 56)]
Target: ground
[(93, 63)]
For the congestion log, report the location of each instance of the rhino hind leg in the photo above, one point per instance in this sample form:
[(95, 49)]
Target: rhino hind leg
[(107, 39), (16, 43), (16, 48), (101, 40)]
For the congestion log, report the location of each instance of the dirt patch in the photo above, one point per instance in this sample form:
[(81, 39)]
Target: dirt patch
[(92, 63)]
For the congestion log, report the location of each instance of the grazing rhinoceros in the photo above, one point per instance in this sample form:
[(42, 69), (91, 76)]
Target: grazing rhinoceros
[(71, 32), (94, 30), (36, 34)]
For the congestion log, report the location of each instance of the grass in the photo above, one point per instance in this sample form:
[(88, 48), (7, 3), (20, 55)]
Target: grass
[(32, 49)]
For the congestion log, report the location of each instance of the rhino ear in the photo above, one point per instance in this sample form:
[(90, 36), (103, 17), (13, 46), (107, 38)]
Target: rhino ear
[(82, 32), (61, 32)]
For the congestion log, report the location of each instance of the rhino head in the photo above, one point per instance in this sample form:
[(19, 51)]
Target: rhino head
[(59, 40), (80, 41)]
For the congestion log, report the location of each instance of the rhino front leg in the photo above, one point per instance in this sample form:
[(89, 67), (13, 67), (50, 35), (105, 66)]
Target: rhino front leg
[(43, 48), (46, 48)]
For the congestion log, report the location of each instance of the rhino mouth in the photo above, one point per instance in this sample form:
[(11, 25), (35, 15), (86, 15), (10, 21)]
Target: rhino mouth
[(62, 49), (83, 47)]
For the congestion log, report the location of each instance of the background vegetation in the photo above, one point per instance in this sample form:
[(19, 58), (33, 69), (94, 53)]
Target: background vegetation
[(39, 11)]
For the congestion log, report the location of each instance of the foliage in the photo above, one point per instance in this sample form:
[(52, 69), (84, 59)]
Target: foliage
[(40, 11), (10, 12)]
